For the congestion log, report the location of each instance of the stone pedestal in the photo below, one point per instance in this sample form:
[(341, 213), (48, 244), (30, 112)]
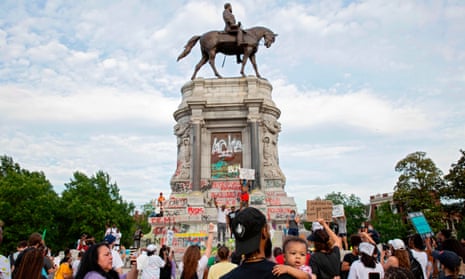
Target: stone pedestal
[(224, 125)]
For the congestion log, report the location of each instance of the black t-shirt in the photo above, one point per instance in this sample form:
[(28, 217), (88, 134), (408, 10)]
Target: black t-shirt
[(350, 258), (256, 270), (231, 216), (326, 266)]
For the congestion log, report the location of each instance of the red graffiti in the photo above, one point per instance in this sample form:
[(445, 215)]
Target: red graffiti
[(195, 210)]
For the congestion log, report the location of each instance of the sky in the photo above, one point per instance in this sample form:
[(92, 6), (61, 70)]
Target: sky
[(92, 85)]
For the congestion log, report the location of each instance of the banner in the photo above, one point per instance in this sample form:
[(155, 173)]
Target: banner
[(338, 210), (319, 209), (421, 224), (248, 174)]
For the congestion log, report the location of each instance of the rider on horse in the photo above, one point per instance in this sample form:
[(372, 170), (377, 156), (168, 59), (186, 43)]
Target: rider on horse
[(232, 28)]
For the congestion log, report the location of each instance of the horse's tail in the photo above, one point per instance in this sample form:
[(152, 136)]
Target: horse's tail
[(188, 47)]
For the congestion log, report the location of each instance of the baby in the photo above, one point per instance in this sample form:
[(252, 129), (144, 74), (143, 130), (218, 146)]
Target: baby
[(295, 258)]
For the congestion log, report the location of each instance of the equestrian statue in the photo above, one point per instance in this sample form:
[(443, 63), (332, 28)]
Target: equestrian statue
[(232, 41)]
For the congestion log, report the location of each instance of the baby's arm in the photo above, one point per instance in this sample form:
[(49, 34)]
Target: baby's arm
[(294, 272)]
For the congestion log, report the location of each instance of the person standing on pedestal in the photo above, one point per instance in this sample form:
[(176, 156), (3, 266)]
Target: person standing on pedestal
[(292, 224), (244, 198), (221, 225)]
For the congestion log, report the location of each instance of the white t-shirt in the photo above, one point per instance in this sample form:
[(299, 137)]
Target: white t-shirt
[(221, 216), (150, 266), (117, 261), (359, 271), (422, 258), (75, 266), (118, 238), (5, 271)]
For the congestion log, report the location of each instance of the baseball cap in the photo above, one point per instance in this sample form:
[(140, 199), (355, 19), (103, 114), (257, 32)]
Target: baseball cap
[(320, 236), (151, 248), (247, 227), (397, 244), (448, 258), (366, 248), (110, 238)]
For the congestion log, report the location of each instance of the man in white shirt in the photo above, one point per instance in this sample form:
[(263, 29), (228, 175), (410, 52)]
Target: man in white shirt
[(221, 225), (117, 261)]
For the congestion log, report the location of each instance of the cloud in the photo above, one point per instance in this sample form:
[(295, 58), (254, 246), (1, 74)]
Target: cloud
[(360, 84), (362, 109)]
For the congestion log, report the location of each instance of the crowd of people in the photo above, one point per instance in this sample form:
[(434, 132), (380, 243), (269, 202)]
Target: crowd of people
[(324, 254)]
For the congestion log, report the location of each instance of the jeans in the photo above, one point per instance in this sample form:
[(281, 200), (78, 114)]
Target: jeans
[(293, 231), (222, 232)]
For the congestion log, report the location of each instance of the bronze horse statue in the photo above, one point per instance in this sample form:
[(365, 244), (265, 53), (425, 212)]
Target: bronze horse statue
[(215, 41)]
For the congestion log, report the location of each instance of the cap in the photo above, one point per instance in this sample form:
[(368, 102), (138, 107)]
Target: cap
[(366, 248), (448, 258), (397, 244), (316, 226), (247, 227), (151, 248), (320, 236), (110, 238)]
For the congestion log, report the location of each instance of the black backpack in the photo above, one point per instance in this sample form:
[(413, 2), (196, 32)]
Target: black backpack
[(415, 267)]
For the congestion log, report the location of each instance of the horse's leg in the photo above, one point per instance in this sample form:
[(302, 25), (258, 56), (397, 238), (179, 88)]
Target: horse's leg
[(244, 61), (211, 59), (254, 64), (199, 65)]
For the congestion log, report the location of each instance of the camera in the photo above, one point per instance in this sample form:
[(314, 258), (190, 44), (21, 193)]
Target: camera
[(385, 247)]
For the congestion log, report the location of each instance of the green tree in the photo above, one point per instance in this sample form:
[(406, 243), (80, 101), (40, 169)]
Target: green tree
[(354, 209), (28, 204), (419, 186), (90, 203), (455, 188), (388, 224)]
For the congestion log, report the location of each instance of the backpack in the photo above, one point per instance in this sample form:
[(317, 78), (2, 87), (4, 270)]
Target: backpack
[(415, 267)]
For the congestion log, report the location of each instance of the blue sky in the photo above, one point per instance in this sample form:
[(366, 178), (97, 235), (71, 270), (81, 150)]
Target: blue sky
[(92, 85)]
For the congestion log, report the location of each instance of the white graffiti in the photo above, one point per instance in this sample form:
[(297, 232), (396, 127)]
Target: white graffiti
[(226, 149)]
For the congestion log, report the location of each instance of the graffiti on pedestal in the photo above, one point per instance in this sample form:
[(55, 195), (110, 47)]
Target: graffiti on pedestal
[(278, 213), (181, 187), (226, 155), (274, 198), (177, 203)]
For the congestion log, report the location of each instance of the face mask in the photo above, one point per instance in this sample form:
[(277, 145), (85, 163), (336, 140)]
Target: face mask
[(292, 215)]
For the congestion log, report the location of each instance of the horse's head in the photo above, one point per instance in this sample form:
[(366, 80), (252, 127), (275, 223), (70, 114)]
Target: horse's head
[(269, 38), (260, 32)]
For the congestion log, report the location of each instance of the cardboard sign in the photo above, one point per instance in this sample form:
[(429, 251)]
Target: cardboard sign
[(338, 210), (248, 174), (319, 209), (421, 225)]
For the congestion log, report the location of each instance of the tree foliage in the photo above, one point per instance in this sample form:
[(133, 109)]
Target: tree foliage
[(354, 209), (388, 223), (28, 204), (455, 188), (419, 186), (90, 203)]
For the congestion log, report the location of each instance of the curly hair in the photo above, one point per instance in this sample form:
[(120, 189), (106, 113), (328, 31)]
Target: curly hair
[(324, 243), (403, 256), (398, 273), (190, 261)]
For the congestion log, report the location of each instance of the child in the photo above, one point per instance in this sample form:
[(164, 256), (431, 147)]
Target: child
[(295, 258), (244, 196)]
